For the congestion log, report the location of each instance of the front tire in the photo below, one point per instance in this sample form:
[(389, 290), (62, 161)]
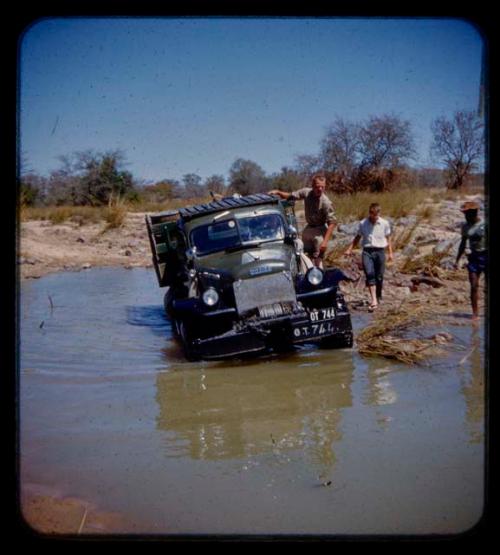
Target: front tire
[(185, 337), (344, 341)]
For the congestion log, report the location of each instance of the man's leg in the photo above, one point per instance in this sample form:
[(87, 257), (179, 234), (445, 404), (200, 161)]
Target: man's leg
[(379, 265), (318, 255), (369, 269), (474, 288), (312, 239)]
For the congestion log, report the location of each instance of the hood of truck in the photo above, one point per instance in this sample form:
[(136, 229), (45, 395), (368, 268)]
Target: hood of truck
[(251, 262)]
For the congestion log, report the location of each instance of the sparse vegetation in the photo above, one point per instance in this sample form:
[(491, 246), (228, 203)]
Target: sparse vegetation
[(59, 214), (395, 204)]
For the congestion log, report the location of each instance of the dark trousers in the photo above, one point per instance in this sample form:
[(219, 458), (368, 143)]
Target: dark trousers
[(374, 266)]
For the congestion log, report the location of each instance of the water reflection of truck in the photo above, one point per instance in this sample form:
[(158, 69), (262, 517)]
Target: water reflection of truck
[(238, 281), (221, 414)]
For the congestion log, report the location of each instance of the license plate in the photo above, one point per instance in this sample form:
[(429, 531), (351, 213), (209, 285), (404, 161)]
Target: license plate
[(313, 330), (322, 314)]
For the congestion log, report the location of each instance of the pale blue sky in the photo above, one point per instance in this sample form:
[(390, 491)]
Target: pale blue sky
[(182, 95)]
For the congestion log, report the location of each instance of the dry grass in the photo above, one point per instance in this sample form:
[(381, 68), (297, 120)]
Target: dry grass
[(115, 213), (394, 204), (385, 336), (59, 214)]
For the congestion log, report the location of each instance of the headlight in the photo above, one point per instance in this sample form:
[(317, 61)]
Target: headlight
[(210, 297), (314, 276)]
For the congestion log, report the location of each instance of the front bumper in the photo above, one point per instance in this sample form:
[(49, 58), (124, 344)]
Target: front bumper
[(254, 336)]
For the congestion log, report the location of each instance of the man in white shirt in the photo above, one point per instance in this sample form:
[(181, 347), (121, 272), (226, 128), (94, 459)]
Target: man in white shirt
[(376, 237)]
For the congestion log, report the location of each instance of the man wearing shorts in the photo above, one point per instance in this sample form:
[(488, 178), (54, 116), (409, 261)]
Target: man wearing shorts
[(473, 231)]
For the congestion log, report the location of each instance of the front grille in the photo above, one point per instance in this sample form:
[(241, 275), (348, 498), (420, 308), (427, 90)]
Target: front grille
[(263, 290), (275, 310)]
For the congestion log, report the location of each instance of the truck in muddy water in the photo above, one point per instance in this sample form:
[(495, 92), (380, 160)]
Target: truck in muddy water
[(238, 281)]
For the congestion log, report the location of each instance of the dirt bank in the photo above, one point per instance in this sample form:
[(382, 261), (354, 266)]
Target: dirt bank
[(45, 247)]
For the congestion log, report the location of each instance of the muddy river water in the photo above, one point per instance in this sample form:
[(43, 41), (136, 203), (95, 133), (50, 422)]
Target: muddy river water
[(312, 442)]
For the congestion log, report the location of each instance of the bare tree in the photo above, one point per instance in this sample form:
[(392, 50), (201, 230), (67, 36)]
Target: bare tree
[(459, 143), (192, 185), (385, 142), (307, 164), (339, 154), (340, 147)]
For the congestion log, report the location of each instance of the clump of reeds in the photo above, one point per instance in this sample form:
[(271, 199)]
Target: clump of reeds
[(385, 336), (115, 213)]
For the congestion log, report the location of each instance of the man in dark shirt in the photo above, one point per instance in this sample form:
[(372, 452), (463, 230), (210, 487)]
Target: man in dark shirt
[(473, 231)]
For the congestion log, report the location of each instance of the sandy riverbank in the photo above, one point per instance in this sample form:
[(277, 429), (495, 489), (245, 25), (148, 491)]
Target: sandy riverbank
[(50, 513)]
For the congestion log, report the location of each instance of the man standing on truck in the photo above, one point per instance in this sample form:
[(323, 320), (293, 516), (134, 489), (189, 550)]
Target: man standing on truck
[(320, 217)]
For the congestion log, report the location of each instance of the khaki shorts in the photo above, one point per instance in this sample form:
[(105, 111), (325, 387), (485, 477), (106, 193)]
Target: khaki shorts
[(313, 236)]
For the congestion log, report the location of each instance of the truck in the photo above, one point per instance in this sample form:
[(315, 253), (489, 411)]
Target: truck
[(238, 281)]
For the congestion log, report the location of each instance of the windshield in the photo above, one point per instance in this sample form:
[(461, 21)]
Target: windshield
[(230, 233)]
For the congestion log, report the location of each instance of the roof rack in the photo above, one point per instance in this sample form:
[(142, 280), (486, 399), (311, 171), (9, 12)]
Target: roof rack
[(190, 212)]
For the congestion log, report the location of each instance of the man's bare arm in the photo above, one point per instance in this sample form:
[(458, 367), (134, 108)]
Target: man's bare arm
[(389, 246), (282, 194), (328, 234), (353, 245), (461, 250)]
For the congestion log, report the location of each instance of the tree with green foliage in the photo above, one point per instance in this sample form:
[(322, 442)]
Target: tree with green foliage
[(90, 178), (32, 190), (160, 191), (102, 177), (215, 184), (247, 177), (287, 179)]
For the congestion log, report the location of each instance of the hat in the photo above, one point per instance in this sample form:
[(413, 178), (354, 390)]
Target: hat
[(469, 205)]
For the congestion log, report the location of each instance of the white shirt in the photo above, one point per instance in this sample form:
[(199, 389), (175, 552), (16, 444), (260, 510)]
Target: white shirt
[(374, 235)]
